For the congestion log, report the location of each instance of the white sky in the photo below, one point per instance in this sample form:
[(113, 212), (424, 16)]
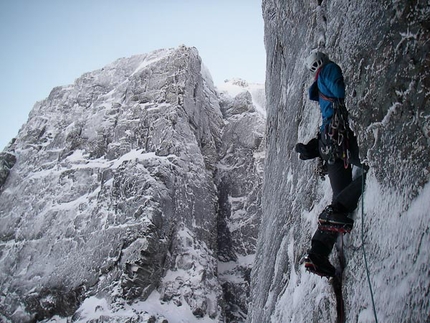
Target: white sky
[(48, 43)]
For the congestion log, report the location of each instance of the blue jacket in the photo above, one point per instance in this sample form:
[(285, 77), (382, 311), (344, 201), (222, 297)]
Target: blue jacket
[(330, 83)]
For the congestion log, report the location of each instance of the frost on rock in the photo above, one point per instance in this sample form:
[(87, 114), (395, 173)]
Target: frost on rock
[(382, 47), (110, 213), (239, 180), (7, 160)]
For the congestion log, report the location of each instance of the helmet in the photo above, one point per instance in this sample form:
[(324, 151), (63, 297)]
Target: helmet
[(315, 61)]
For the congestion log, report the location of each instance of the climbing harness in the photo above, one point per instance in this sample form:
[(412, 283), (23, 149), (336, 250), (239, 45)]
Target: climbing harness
[(335, 139)]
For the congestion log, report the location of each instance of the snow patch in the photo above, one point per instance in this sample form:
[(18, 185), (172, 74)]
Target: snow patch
[(236, 86), (152, 58)]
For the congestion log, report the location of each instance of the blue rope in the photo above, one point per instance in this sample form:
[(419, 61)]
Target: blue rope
[(364, 250)]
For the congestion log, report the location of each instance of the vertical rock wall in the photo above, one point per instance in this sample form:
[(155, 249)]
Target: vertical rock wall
[(383, 48)]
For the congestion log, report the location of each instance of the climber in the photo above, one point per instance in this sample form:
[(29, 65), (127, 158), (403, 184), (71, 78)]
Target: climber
[(337, 146)]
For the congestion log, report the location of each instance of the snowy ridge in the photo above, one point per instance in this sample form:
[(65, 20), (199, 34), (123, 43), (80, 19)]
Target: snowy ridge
[(152, 58)]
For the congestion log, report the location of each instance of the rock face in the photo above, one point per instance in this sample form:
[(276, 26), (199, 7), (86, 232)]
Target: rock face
[(126, 187), (383, 48), (7, 160), (239, 180)]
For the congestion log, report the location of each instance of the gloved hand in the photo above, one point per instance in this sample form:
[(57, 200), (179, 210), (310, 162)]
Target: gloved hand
[(309, 150)]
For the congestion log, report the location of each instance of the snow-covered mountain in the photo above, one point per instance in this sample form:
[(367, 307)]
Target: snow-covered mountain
[(133, 195), (383, 48)]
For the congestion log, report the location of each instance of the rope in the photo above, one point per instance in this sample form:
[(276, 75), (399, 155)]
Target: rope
[(364, 250)]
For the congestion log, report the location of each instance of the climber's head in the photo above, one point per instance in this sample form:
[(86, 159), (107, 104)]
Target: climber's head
[(315, 61)]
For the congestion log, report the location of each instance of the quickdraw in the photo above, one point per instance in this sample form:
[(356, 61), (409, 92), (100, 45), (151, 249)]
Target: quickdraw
[(338, 132)]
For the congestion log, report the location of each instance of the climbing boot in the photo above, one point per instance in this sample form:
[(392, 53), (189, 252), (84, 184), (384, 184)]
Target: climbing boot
[(331, 219), (319, 265)]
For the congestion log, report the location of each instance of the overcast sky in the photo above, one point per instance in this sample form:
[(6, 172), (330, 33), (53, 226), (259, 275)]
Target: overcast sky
[(48, 43)]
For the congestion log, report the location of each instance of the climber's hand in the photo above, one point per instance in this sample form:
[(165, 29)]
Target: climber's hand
[(309, 150)]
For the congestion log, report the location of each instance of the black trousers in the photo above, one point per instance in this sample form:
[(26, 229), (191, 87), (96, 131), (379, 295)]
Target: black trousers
[(346, 193)]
